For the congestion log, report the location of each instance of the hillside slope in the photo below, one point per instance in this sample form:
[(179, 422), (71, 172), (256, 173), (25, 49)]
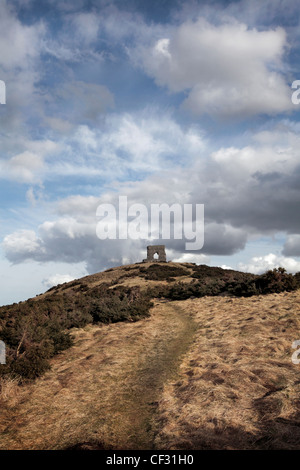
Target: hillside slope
[(238, 387), (209, 373), (38, 329), (104, 389)]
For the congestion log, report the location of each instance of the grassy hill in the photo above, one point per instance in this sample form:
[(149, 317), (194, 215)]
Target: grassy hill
[(39, 328), (153, 356)]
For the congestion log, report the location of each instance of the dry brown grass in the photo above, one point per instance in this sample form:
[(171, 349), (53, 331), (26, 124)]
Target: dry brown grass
[(238, 388), (104, 389), (209, 373), (9, 389), (118, 276)]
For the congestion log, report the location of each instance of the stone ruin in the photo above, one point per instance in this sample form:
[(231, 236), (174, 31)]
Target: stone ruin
[(152, 250)]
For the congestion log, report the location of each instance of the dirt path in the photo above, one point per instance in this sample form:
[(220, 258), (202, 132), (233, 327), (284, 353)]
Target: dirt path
[(157, 365), (104, 390)]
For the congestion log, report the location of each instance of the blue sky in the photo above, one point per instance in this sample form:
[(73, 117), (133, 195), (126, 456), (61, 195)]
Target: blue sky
[(161, 101)]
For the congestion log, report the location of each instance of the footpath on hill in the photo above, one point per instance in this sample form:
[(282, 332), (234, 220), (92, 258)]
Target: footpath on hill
[(103, 392)]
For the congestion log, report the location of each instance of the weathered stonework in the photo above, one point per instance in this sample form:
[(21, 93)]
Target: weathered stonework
[(153, 250)]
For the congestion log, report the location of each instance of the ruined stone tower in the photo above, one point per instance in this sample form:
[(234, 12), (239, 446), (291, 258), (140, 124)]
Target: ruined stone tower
[(153, 250)]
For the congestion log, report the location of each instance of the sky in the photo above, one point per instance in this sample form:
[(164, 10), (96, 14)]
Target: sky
[(164, 102)]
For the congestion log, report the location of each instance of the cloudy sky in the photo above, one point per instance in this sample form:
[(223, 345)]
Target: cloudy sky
[(162, 101)]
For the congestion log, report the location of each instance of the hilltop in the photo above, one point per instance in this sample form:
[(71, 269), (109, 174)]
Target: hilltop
[(38, 328), (153, 356)]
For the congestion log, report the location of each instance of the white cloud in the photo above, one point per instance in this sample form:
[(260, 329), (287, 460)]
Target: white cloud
[(66, 228), (127, 145), (19, 44), (257, 158), (81, 207), (226, 69), (21, 245), (20, 49), (260, 264), (56, 279), (76, 40), (187, 258), (24, 167), (29, 165), (30, 196), (224, 266), (87, 25), (149, 141)]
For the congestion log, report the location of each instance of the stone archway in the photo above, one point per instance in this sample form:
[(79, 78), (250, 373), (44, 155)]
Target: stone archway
[(153, 250)]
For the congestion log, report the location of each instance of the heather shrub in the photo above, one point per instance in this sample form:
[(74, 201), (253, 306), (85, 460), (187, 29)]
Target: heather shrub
[(276, 280), (273, 281), (36, 330), (232, 283), (183, 290), (297, 279), (31, 364), (162, 272)]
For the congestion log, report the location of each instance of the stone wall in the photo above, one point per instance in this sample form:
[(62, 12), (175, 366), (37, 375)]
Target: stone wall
[(152, 250)]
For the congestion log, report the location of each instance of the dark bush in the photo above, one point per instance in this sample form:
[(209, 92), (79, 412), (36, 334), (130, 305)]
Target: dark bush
[(297, 279), (162, 272), (273, 281), (184, 290), (242, 289), (232, 283), (276, 280), (35, 330), (31, 364)]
